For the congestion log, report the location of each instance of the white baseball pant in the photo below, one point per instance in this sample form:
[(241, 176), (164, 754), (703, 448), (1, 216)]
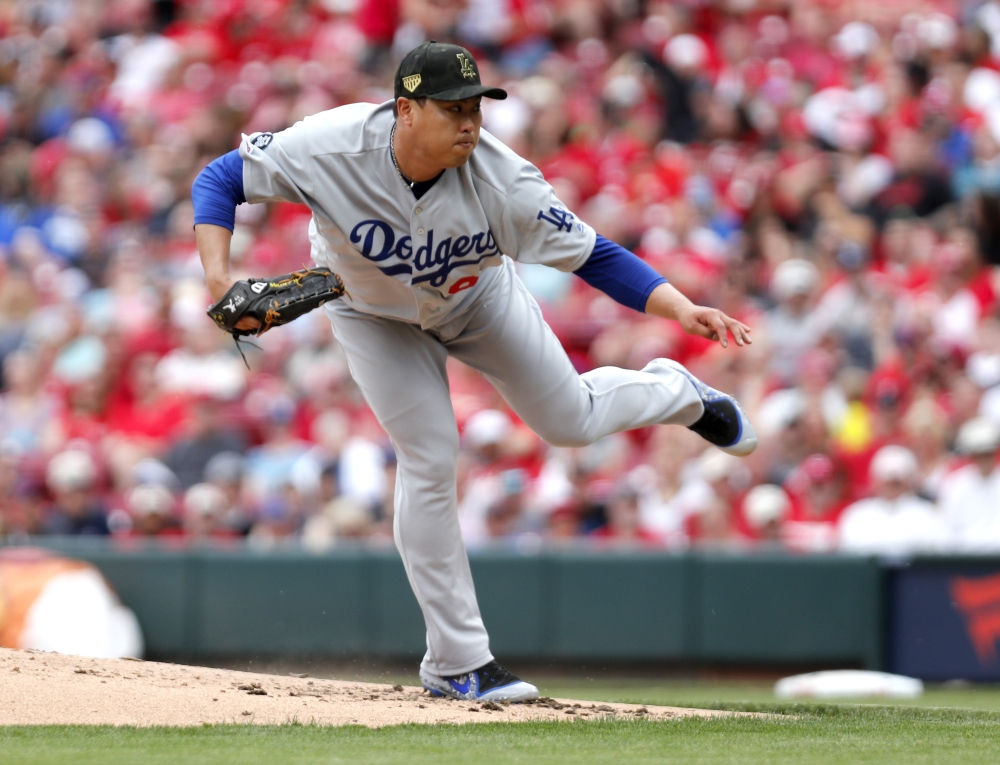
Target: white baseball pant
[(400, 369)]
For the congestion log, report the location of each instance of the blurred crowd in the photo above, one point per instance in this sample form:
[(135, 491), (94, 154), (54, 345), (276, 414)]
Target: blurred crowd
[(827, 171)]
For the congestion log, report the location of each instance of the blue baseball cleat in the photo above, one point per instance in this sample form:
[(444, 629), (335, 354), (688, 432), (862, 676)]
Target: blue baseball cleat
[(724, 423), (491, 682)]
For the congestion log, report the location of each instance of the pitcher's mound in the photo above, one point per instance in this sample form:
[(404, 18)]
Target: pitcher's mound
[(51, 689)]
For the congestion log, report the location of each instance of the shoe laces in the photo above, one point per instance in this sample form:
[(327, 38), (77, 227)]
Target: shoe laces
[(493, 675)]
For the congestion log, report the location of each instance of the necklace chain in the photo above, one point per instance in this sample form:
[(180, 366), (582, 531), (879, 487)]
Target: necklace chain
[(395, 164)]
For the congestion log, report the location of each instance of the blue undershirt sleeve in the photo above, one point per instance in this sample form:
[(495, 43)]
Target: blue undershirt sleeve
[(217, 191), (621, 275)]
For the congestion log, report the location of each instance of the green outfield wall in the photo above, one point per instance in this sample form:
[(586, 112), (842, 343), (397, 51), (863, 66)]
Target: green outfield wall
[(570, 606)]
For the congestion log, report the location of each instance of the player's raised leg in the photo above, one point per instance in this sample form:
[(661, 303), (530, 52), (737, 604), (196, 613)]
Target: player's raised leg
[(508, 340)]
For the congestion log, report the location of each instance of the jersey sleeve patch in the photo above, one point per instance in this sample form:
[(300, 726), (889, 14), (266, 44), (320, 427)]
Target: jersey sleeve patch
[(262, 140), (561, 219)]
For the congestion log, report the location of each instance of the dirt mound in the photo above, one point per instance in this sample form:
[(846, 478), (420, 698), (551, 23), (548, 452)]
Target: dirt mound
[(40, 688)]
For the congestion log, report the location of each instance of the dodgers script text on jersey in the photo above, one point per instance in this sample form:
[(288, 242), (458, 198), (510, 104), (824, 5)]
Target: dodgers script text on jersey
[(378, 243)]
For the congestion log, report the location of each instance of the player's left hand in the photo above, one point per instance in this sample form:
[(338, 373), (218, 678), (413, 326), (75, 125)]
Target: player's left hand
[(713, 324)]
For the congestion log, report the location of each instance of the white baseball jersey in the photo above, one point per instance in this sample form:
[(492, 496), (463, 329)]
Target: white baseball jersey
[(421, 261)]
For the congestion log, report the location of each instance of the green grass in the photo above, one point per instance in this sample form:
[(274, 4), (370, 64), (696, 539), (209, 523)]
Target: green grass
[(833, 734)]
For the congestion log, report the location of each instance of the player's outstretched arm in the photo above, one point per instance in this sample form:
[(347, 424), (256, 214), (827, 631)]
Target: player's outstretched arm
[(668, 302), (628, 279)]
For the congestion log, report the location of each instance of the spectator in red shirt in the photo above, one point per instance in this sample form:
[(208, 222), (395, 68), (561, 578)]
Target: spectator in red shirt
[(818, 497), (142, 415)]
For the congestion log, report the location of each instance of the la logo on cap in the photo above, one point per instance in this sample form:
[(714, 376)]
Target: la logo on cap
[(412, 82), (467, 70)]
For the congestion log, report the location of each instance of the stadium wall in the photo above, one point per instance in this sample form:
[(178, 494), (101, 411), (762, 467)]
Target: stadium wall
[(562, 606)]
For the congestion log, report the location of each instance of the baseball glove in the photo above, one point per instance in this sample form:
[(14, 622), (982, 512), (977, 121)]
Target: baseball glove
[(275, 301)]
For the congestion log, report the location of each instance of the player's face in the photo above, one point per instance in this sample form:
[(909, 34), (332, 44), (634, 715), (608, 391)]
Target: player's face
[(448, 131)]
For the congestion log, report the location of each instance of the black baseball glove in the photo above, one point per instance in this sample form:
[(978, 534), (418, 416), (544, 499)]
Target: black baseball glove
[(275, 301)]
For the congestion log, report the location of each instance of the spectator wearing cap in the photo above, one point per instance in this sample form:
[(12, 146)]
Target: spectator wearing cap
[(895, 521), (76, 508), (152, 506), (485, 433), (484, 436), (205, 508), (970, 496), (818, 498), (783, 423), (764, 510), (790, 327)]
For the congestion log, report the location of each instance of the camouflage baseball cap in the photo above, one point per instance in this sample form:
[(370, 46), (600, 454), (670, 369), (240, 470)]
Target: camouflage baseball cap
[(443, 72)]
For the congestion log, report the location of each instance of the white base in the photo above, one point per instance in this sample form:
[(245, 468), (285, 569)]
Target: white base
[(848, 683)]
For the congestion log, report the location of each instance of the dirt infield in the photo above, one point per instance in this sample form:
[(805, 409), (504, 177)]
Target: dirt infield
[(38, 688)]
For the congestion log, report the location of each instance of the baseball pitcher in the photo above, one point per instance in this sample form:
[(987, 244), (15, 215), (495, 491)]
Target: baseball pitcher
[(422, 214)]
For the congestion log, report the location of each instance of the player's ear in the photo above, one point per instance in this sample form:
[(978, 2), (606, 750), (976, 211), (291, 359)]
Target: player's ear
[(404, 109)]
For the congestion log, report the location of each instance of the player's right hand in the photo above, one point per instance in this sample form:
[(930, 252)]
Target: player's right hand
[(713, 324), (710, 323)]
